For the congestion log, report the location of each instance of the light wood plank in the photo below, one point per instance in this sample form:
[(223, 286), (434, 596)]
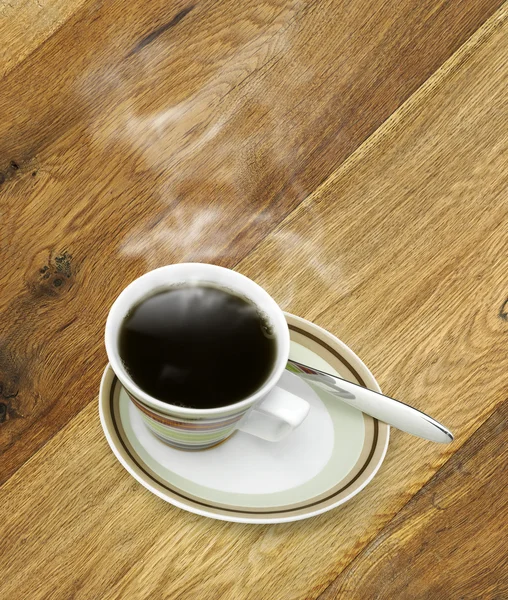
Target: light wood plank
[(26, 24), (68, 534), (146, 133), (450, 540)]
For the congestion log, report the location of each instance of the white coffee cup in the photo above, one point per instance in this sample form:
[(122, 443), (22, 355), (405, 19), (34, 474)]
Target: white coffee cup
[(270, 413)]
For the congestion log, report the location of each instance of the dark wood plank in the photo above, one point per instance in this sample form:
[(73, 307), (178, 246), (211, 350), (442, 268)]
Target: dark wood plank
[(450, 540), (148, 133)]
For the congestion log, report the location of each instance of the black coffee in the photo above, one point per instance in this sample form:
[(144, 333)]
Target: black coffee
[(197, 346)]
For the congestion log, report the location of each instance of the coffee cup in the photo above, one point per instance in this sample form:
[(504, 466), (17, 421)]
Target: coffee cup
[(269, 412)]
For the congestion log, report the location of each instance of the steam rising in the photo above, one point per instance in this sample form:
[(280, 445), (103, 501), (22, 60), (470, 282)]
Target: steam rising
[(220, 162)]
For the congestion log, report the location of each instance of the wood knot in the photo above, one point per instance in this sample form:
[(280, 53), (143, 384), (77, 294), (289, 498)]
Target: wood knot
[(12, 168), (11, 375), (7, 394), (63, 264), (54, 276), (7, 408), (503, 312)]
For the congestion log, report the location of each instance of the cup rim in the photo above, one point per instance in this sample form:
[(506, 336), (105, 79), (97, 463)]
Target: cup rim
[(276, 313)]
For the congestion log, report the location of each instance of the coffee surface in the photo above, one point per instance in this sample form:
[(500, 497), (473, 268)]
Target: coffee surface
[(197, 346)]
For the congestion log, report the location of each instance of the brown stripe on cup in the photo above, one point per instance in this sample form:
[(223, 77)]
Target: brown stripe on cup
[(189, 426)]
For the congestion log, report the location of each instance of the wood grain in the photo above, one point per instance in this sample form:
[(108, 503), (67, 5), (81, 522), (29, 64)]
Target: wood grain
[(143, 135), (433, 331), (25, 25), (449, 541)]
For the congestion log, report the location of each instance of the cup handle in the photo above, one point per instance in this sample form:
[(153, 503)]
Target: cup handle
[(276, 416)]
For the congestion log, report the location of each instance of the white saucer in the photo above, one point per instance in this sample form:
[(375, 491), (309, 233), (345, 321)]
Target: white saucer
[(325, 462)]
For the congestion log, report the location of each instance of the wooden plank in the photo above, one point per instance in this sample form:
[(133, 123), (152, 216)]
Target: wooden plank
[(450, 540), (143, 135), (26, 24), (76, 525)]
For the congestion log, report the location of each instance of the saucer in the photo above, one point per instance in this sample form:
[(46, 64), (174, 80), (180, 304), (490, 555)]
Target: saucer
[(326, 461)]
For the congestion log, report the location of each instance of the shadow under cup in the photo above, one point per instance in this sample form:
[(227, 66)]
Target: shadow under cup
[(182, 427)]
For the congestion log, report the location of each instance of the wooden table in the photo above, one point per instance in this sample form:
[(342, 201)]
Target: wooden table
[(349, 156)]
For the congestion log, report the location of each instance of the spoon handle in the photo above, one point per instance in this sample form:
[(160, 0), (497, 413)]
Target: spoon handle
[(391, 411)]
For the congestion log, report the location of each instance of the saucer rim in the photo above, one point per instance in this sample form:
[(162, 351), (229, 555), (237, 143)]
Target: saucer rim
[(358, 368)]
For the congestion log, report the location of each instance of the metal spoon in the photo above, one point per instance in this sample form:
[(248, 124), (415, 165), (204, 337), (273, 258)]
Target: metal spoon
[(391, 411)]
